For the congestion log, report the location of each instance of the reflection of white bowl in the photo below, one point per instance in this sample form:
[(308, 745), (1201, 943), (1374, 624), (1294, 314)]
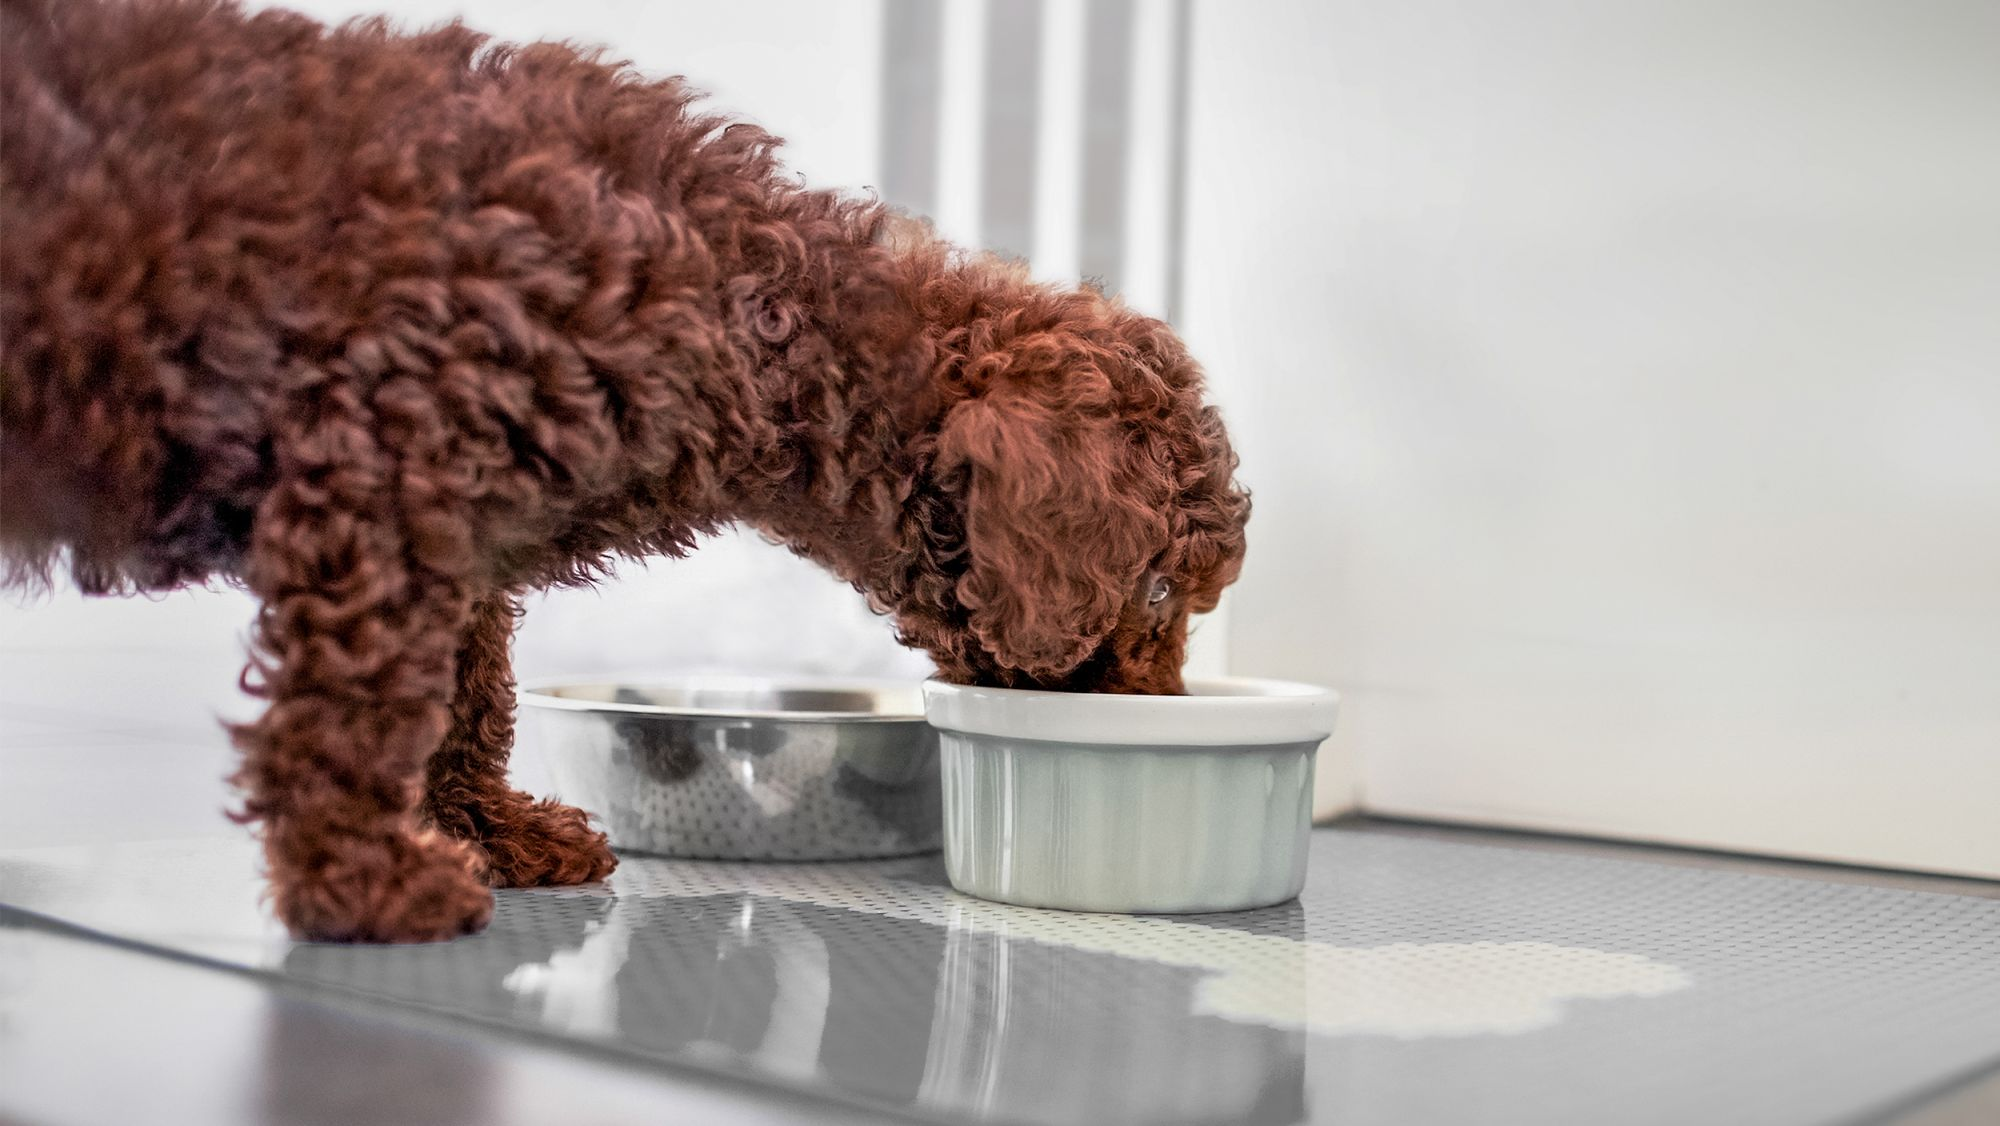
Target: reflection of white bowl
[(1097, 802)]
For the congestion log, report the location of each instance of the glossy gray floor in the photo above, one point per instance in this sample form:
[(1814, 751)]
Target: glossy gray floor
[(1415, 981), (1427, 976), (94, 1033)]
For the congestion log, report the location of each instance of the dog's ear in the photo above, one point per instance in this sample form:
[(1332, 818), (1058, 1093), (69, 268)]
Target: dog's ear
[(1059, 524)]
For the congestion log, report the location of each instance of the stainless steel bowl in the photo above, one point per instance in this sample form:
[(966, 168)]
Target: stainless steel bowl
[(731, 768)]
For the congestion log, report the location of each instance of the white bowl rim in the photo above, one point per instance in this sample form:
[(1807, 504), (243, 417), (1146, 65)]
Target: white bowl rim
[(1217, 712)]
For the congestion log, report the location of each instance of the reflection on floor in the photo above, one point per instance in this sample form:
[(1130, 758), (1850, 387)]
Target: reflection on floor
[(1415, 981)]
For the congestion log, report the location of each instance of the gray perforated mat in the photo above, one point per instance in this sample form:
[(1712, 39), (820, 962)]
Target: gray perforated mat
[(1414, 982)]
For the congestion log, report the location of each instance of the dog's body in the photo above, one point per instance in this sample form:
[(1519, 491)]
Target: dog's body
[(390, 328)]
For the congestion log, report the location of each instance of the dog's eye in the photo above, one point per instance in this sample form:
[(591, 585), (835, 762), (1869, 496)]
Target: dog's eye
[(1159, 590)]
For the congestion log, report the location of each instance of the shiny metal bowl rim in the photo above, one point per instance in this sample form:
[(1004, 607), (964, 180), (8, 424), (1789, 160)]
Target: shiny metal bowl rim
[(539, 693)]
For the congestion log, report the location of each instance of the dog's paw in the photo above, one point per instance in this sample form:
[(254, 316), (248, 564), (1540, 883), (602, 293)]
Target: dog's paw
[(417, 887), (532, 843)]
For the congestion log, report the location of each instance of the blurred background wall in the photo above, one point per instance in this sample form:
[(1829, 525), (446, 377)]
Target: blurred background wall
[(1617, 382), (1620, 384)]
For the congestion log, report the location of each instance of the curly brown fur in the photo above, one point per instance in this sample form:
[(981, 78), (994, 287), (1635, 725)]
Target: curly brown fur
[(391, 327)]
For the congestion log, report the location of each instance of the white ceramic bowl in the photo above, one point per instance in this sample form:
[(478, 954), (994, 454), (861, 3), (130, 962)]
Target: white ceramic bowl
[(1136, 804)]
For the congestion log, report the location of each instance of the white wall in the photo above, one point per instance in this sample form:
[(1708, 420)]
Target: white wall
[(1619, 384)]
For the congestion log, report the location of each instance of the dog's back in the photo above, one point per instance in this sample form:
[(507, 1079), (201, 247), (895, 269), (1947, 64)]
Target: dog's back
[(137, 372), (220, 224)]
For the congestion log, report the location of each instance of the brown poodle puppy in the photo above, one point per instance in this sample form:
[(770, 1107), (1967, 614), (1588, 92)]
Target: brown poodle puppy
[(389, 328)]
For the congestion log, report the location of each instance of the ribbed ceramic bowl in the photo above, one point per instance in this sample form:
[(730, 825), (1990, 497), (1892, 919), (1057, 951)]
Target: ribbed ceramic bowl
[(1139, 804), (735, 768)]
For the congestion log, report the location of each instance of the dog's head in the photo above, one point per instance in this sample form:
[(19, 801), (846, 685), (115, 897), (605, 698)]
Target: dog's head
[(1099, 511)]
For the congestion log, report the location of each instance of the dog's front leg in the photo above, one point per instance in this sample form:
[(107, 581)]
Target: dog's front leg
[(356, 643), (527, 843)]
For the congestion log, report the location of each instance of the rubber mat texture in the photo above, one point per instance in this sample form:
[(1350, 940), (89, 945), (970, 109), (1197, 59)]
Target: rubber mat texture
[(1415, 981)]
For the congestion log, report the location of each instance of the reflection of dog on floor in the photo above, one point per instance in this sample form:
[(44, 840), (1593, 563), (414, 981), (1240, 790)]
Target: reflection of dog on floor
[(390, 328)]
